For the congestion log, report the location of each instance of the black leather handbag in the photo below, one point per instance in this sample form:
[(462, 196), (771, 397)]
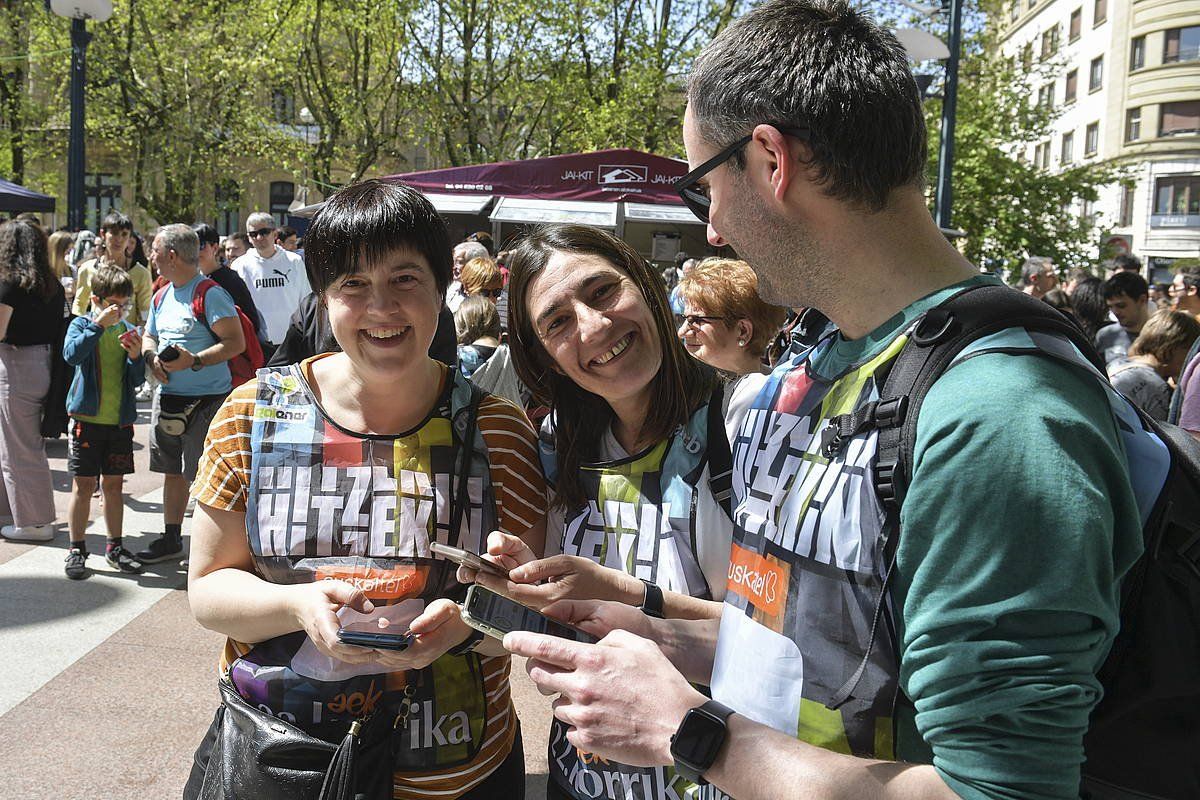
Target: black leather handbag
[(256, 756)]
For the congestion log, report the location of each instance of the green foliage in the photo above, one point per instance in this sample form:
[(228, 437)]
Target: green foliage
[(183, 96), (1009, 207)]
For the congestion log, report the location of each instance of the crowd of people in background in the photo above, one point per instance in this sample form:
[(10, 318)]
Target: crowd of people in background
[(1147, 334)]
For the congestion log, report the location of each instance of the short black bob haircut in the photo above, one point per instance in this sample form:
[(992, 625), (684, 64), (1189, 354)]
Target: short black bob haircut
[(363, 223)]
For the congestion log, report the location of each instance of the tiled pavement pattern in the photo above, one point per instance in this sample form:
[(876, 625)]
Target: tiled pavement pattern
[(108, 683)]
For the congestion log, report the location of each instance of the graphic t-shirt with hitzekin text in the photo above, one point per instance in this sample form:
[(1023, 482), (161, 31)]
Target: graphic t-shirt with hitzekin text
[(277, 284), (325, 503), (652, 515)]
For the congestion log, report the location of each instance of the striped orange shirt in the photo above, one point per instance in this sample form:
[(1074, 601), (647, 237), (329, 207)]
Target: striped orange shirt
[(224, 479)]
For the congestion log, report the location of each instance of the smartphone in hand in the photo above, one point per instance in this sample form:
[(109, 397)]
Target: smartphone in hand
[(375, 641), (496, 615), (467, 559), (169, 353)]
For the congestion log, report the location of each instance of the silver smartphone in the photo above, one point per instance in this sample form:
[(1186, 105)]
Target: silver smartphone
[(467, 559), (496, 615)]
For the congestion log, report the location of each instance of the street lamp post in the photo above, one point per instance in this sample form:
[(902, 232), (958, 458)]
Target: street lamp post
[(78, 11), (307, 120), (945, 192)]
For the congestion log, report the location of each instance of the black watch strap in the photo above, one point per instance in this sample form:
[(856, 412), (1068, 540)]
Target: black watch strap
[(699, 739), (467, 645), (652, 605)]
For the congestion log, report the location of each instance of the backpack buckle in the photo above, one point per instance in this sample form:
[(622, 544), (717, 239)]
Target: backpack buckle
[(890, 413), (885, 482), (831, 440)]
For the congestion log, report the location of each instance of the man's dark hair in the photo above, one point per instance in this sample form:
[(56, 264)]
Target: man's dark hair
[(822, 65), (1089, 305), (116, 221), (1129, 284), (207, 234), (286, 232), (680, 257), (1127, 263), (241, 237), (364, 222)]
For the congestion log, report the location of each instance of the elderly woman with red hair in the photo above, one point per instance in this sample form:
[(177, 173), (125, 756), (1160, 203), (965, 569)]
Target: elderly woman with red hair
[(725, 323)]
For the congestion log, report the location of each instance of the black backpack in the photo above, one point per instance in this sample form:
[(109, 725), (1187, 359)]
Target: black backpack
[(1144, 736)]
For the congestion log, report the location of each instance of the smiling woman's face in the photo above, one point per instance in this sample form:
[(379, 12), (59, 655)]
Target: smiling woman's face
[(385, 316), (595, 325)]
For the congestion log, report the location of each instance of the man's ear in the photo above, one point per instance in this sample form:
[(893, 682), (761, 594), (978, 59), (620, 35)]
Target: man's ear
[(788, 158)]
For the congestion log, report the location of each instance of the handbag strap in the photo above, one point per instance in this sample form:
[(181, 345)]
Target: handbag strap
[(461, 498)]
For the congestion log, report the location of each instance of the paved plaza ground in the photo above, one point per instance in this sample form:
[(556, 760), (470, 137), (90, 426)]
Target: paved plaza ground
[(109, 683)]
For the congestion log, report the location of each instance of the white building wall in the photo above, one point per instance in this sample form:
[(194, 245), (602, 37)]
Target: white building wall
[(1152, 156)]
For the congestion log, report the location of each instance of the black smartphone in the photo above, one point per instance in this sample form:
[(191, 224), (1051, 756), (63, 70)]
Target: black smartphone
[(376, 641), (169, 353), (496, 615), (466, 558)]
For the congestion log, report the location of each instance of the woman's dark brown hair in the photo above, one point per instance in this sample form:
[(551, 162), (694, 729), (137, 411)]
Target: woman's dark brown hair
[(581, 418), (25, 258)]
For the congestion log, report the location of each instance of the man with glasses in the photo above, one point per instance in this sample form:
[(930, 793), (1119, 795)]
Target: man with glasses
[(276, 278), (1185, 291), (806, 135)]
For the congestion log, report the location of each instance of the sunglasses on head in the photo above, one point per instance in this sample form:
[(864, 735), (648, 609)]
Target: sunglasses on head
[(695, 194), (260, 232)]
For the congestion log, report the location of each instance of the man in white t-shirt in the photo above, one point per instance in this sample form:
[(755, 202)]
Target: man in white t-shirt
[(275, 277)]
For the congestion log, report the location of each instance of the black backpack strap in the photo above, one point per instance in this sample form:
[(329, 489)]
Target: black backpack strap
[(720, 459), (935, 341), (461, 498)]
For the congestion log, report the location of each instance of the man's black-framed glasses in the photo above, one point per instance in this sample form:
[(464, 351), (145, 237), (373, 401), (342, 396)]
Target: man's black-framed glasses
[(260, 232), (695, 194)]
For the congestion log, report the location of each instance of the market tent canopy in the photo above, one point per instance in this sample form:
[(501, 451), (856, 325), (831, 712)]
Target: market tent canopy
[(607, 176), (536, 212), (445, 204), (14, 197), (677, 215)]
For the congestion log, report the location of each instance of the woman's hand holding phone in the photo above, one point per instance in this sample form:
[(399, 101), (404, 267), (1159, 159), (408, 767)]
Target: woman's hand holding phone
[(438, 629), (539, 582), (314, 607)]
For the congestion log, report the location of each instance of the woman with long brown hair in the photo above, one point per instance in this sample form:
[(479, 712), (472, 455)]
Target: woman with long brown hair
[(31, 318), (635, 450)]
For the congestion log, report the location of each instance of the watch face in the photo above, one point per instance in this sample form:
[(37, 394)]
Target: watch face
[(699, 739)]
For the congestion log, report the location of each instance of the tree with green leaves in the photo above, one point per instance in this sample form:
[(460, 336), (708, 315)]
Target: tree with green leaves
[(182, 95), (1007, 206)]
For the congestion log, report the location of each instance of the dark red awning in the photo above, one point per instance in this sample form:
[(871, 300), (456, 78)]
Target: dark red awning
[(605, 176)]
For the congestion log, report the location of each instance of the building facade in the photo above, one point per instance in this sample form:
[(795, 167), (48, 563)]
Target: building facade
[(1127, 80)]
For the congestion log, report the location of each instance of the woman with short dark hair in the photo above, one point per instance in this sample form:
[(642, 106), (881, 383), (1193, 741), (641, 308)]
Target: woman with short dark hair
[(31, 320), (321, 488)]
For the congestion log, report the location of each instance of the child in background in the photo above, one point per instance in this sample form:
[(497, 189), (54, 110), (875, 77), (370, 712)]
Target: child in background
[(106, 352)]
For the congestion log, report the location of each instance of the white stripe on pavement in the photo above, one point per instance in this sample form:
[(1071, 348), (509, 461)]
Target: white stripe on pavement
[(49, 622)]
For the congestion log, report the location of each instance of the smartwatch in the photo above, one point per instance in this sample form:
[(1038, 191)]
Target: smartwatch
[(652, 603), (698, 740), (197, 363)]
